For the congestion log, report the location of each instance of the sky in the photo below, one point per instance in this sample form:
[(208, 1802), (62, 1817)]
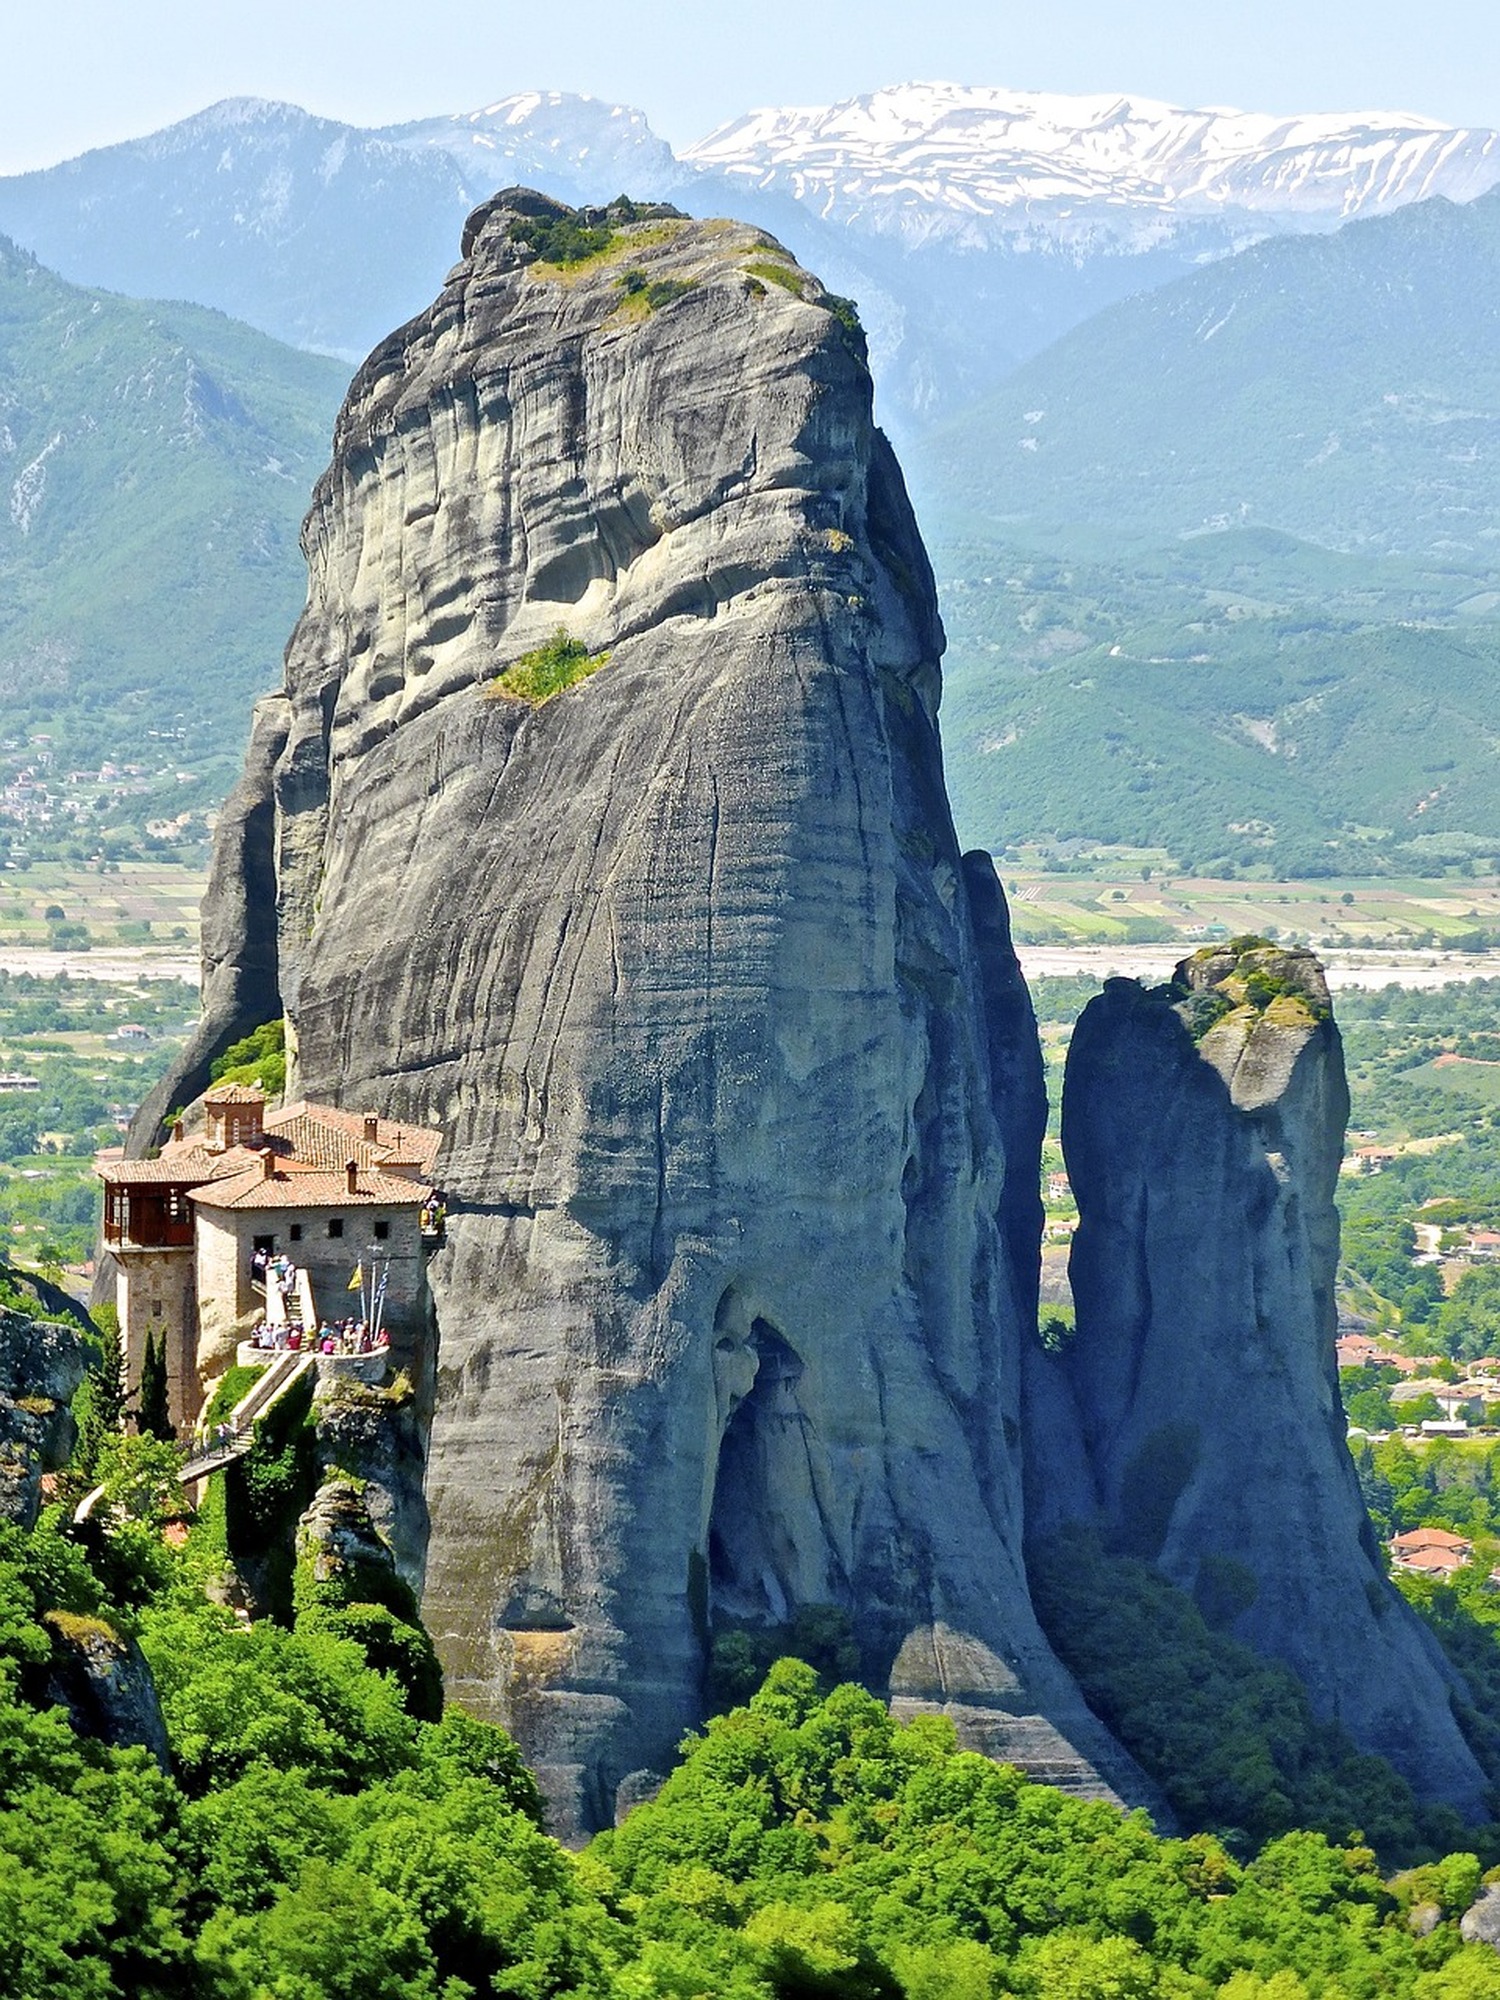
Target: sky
[(81, 73)]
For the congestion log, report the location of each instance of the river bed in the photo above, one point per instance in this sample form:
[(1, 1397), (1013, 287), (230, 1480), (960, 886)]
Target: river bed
[(115, 964), (1415, 969)]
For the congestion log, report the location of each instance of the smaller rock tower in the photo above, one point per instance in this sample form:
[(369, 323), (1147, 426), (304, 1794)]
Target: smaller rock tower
[(1195, 1414)]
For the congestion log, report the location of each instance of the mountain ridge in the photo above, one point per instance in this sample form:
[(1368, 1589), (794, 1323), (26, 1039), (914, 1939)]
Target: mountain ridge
[(962, 160), (152, 455), (327, 234)]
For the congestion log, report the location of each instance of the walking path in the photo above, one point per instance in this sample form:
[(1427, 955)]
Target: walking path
[(234, 1437)]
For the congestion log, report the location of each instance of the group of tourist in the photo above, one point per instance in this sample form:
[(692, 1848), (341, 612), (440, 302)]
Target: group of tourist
[(344, 1336), (266, 1271)]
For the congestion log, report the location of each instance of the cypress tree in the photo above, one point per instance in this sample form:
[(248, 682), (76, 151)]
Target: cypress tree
[(104, 1404), (151, 1405)]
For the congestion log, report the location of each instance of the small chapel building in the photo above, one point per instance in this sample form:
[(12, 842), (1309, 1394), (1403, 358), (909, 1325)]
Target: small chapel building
[(342, 1196)]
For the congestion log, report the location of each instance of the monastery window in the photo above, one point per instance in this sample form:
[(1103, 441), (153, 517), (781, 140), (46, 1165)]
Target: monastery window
[(295, 1232), (336, 1225), (382, 1231)]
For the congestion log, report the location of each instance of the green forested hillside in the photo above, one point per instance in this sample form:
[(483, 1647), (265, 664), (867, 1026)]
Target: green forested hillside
[(1345, 388), (1243, 699), (155, 464), (1221, 568), (313, 1839)]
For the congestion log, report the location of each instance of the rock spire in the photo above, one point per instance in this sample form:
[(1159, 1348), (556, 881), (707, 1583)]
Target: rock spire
[(1195, 1414), (684, 959)]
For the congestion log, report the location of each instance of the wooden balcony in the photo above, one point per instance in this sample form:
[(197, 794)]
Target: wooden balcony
[(155, 1218)]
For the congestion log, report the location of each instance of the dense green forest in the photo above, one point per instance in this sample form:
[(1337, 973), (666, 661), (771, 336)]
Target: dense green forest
[(325, 1829), (321, 1835)]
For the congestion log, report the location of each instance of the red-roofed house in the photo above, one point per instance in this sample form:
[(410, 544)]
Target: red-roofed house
[(1355, 1349), (331, 1190), (1430, 1552)]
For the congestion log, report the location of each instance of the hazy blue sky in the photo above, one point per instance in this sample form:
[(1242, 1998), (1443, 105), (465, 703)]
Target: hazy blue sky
[(80, 73)]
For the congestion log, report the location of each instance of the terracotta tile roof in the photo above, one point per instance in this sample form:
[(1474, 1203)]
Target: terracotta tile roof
[(311, 1187), (235, 1093), (1434, 1562), (180, 1166), (306, 1138), (326, 1137), (1423, 1538)]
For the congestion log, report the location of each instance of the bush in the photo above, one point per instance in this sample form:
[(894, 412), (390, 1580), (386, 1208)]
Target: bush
[(562, 239), (547, 670), (259, 1058)]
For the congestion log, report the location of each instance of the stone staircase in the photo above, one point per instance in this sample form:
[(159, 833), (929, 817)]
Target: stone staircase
[(232, 1438), (211, 1451)]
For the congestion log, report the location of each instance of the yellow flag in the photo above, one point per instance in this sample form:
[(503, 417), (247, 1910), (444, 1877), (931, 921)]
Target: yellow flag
[(357, 1282)]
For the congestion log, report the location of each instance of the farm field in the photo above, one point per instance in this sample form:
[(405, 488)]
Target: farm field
[(1137, 903), (62, 906), (1474, 1079), (1125, 898)]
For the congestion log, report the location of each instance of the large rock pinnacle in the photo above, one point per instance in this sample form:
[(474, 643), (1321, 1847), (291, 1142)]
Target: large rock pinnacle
[(1195, 1414), (684, 961)]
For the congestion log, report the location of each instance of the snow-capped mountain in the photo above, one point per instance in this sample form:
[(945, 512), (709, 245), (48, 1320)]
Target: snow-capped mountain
[(980, 166), (325, 234), (555, 138), (973, 226)]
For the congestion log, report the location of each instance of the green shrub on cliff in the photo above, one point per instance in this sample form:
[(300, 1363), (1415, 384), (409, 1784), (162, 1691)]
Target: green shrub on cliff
[(562, 239), (577, 235), (259, 1058), (547, 670)]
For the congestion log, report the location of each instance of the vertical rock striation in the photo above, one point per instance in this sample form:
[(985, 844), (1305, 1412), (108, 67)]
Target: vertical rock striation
[(1196, 1411), (684, 961)]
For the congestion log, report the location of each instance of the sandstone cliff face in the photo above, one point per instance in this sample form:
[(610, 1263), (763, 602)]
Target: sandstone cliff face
[(1196, 1411), (103, 1681), (683, 960)]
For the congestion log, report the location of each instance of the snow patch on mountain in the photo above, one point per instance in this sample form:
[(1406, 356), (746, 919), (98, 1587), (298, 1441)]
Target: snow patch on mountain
[(984, 166)]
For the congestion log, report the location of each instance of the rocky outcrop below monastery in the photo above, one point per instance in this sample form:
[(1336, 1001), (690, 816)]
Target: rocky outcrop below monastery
[(1195, 1413), (41, 1368), (686, 962)]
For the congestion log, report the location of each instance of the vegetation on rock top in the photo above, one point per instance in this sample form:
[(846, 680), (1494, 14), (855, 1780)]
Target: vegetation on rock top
[(578, 236)]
